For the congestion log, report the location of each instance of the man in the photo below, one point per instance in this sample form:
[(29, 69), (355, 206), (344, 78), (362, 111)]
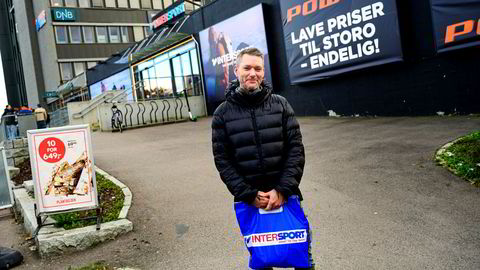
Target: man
[(257, 144), (9, 118), (41, 115)]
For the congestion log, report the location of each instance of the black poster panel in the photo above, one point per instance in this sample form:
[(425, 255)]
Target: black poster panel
[(456, 23), (324, 38)]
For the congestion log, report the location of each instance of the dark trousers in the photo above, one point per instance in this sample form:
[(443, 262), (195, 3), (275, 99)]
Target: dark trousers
[(41, 124)]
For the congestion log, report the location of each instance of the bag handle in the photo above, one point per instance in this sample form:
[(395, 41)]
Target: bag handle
[(275, 211)]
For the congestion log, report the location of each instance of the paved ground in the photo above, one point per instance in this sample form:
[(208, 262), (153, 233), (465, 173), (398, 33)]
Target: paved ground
[(375, 198)]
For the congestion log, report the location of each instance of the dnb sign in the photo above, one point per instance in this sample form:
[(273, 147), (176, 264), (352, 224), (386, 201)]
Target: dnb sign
[(64, 14)]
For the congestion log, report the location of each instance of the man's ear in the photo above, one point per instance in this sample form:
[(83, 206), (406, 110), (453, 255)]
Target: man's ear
[(235, 71)]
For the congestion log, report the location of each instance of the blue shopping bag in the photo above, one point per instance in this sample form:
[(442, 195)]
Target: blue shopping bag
[(277, 238)]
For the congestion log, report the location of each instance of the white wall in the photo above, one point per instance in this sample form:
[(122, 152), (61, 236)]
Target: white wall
[(48, 50), (150, 111), (76, 107)]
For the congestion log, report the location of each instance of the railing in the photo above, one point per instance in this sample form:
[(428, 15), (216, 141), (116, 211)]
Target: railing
[(59, 118), (17, 128)]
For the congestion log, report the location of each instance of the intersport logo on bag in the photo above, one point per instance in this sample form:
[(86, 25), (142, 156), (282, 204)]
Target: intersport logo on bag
[(276, 238)]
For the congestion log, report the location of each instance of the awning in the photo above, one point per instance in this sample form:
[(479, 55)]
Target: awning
[(158, 45)]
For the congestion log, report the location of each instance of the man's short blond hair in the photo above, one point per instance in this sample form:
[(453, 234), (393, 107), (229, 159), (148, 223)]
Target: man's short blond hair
[(250, 51)]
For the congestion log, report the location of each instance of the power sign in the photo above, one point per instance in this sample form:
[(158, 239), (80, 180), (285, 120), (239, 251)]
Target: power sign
[(456, 23), (324, 38)]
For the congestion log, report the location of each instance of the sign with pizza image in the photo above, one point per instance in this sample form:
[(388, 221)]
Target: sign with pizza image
[(62, 169)]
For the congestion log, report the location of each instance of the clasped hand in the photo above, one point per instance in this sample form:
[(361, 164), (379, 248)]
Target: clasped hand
[(269, 200)]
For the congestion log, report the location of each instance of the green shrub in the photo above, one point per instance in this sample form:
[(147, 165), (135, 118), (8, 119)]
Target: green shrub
[(463, 157), (111, 202)]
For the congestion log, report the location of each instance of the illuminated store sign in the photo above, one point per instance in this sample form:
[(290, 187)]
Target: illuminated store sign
[(169, 15)]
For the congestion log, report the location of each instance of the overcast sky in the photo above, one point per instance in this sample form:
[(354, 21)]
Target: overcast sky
[(3, 90)]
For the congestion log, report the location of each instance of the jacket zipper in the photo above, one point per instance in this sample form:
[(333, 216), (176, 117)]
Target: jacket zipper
[(257, 138)]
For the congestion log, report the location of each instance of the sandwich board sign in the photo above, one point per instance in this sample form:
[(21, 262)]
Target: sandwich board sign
[(62, 169), (6, 198)]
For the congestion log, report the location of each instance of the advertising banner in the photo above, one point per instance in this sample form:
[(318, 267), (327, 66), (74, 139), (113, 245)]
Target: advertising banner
[(62, 169), (118, 81), (220, 45), (6, 196), (456, 23), (324, 38)]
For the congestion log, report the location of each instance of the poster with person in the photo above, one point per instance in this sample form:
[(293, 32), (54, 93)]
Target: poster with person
[(456, 23), (62, 169), (324, 38), (220, 45)]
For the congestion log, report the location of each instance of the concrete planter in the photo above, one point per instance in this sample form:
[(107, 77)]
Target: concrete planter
[(53, 241)]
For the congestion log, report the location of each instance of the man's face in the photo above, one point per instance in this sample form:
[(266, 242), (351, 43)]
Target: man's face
[(250, 72)]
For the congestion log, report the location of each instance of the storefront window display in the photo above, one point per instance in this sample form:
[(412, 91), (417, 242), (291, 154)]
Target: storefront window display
[(169, 74)]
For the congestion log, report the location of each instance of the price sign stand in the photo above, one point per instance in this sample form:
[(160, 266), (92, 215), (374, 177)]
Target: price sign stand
[(63, 173), (41, 222)]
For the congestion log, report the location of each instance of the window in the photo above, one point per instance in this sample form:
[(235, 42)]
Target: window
[(193, 56), (122, 3), (102, 34), (61, 33), (84, 3), (167, 3), (79, 68), (177, 72), (66, 71), (75, 34), (97, 3), (114, 34), (71, 3), (157, 4), (110, 3), (57, 3), (148, 31), (146, 4), (138, 33), (91, 64), (134, 4), (88, 35), (186, 68), (164, 80), (124, 30)]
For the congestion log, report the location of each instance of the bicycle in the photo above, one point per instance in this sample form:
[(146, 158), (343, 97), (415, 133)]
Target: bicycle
[(117, 118)]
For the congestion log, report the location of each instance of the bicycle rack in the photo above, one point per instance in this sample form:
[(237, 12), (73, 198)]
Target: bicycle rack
[(155, 113), (143, 112), (126, 112), (176, 107), (163, 118)]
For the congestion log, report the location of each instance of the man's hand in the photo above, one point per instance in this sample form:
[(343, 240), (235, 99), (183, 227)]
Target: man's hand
[(275, 200), (261, 201)]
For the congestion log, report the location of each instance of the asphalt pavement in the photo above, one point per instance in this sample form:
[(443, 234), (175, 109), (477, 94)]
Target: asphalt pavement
[(374, 196)]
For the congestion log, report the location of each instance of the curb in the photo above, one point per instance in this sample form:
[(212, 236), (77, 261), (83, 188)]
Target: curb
[(51, 240), (127, 202)]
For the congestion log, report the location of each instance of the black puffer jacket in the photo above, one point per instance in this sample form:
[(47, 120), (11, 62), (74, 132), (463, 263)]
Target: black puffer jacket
[(257, 144)]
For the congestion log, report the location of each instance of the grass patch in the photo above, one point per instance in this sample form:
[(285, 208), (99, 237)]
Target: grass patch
[(101, 265), (111, 201), (463, 157)]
